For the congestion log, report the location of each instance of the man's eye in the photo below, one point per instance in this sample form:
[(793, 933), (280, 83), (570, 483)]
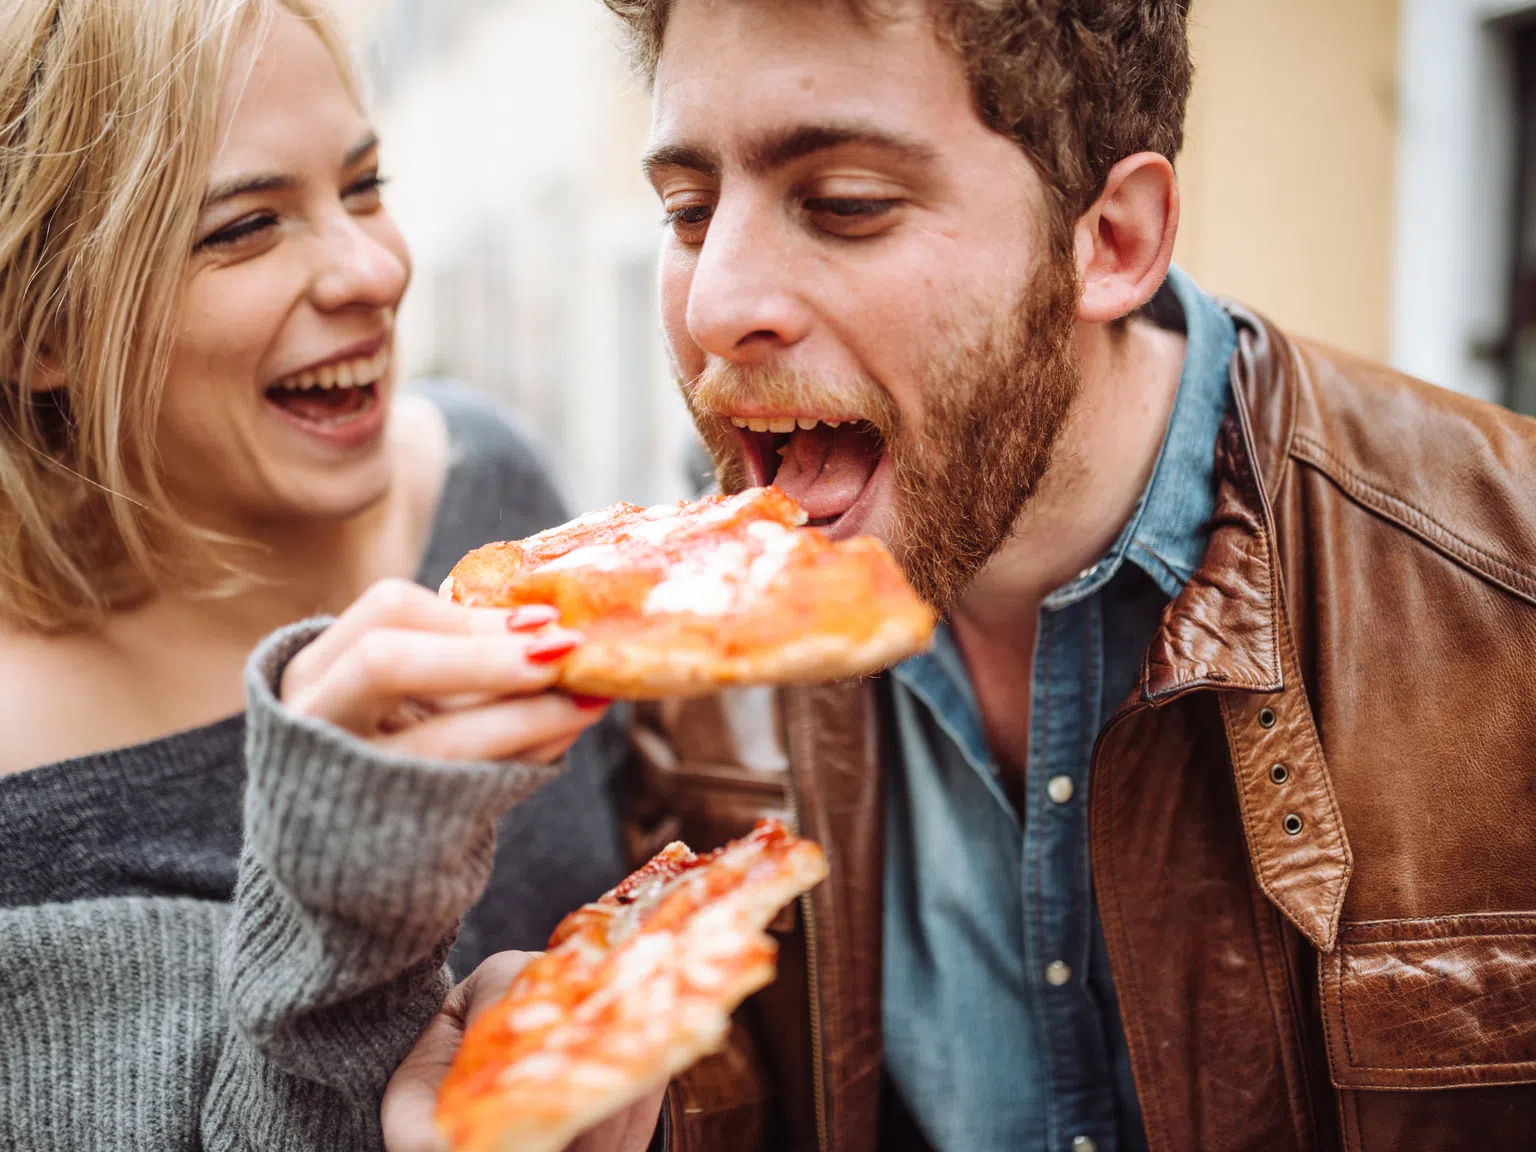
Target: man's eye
[(849, 215), (241, 229), (848, 206), (690, 223)]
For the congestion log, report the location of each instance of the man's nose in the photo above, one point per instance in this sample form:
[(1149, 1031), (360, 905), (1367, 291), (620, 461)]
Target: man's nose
[(744, 303), (356, 268)]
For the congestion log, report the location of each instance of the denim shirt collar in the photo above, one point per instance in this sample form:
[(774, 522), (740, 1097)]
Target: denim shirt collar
[(1166, 534)]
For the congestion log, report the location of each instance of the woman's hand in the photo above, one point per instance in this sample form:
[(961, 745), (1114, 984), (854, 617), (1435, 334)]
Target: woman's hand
[(412, 673), (411, 1098)]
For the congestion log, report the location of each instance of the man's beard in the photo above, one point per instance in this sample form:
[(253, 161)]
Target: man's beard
[(994, 409)]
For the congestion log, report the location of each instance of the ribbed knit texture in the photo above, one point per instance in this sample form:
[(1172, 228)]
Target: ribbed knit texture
[(273, 1022), (176, 973)]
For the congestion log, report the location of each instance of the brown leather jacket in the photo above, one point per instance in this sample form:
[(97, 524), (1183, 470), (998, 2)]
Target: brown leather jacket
[(1313, 827)]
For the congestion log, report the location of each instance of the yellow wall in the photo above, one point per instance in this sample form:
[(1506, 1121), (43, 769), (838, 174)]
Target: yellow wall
[(1287, 169)]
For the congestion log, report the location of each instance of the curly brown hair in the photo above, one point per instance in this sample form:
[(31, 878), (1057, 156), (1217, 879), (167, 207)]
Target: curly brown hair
[(1078, 84)]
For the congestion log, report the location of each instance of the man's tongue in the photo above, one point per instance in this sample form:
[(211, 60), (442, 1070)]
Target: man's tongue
[(825, 468)]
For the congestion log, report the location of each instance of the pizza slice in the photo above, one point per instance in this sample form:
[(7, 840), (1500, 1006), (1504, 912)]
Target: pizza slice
[(634, 989), (685, 599)]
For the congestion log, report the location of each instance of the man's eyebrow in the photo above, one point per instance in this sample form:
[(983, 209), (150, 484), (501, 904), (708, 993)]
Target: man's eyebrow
[(244, 185), (777, 149), (685, 156)]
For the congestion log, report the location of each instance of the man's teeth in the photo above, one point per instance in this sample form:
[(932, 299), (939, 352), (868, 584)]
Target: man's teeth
[(346, 374), (781, 423)]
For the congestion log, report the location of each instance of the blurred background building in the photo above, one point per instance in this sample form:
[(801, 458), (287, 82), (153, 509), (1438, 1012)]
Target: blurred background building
[(1363, 171)]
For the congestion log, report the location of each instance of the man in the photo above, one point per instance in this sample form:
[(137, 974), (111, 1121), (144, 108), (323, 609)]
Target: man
[(1210, 820)]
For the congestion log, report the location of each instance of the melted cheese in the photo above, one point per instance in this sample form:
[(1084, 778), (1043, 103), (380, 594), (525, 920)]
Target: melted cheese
[(716, 582), (598, 556)]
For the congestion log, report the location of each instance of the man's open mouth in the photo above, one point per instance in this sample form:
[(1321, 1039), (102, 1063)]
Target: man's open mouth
[(824, 464)]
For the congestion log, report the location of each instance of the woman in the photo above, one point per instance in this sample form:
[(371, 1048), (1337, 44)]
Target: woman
[(226, 901)]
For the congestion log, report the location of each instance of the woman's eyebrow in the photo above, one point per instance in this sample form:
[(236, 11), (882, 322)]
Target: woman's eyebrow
[(243, 185), (367, 144)]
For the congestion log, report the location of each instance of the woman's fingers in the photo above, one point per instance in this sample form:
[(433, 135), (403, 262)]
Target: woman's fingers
[(538, 728), (401, 605), (386, 666), (552, 752), (387, 604), (413, 672)]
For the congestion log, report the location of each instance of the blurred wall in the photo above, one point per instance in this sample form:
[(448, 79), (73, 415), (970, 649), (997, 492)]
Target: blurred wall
[(1454, 243), (1287, 172), (1335, 177), (512, 135)]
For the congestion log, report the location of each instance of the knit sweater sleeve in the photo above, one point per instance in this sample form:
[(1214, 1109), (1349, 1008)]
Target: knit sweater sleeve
[(356, 869)]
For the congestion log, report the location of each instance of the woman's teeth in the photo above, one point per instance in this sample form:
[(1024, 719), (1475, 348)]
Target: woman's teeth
[(345, 374), (781, 423)]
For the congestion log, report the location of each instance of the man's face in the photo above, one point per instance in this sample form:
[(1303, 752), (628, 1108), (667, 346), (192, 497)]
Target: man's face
[(864, 296)]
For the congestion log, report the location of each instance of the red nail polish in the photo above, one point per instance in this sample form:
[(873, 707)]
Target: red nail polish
[(590, 701), (548, 651), (532, 617)]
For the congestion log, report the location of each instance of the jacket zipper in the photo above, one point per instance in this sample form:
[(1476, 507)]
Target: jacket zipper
[(813, 975)]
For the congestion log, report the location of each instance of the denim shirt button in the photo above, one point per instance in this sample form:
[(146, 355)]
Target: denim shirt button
[(1084, 1144), (1060, 789), (1057, 973)]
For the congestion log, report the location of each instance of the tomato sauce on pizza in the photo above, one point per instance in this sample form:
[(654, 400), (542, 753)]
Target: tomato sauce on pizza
[(685, 599), (635, 988)]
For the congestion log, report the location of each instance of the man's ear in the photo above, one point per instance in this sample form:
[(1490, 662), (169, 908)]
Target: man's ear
[(1124, 242)]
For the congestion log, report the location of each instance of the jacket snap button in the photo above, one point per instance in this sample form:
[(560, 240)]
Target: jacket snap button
[(1267, 717), (1292, 825), (1279, 774)]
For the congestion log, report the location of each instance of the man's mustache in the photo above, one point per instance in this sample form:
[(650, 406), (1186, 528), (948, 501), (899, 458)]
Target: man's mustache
[(724, 389)]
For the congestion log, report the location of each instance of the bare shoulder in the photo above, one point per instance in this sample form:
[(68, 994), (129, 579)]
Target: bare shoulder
[(55, 701)]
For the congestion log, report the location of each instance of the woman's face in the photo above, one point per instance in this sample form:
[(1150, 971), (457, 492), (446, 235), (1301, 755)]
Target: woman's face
[(275, 407)]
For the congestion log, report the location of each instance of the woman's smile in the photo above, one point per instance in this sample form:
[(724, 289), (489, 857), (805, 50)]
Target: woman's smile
[(338, 401)]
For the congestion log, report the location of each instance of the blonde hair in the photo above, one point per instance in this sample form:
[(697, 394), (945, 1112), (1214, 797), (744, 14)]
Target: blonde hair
[(108, 116)]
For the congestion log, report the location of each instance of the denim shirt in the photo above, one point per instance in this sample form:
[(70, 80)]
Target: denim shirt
[(1002, 1029)]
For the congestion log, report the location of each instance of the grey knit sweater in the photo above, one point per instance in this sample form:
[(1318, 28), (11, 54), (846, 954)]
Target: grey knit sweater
[(201, 948)]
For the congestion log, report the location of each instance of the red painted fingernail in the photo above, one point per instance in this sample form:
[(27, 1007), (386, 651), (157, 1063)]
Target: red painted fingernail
[(532, 617), (590, 701), (548, 651)]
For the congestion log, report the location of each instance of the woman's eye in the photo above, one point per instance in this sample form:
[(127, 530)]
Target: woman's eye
[(368, 187), (690, 223), (850, 215), (241, 229)]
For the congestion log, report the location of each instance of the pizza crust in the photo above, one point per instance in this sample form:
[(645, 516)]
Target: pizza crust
[(638, 670)]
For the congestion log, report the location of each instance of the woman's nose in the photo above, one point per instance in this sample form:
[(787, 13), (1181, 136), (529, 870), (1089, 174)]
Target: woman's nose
[(360, 267)]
